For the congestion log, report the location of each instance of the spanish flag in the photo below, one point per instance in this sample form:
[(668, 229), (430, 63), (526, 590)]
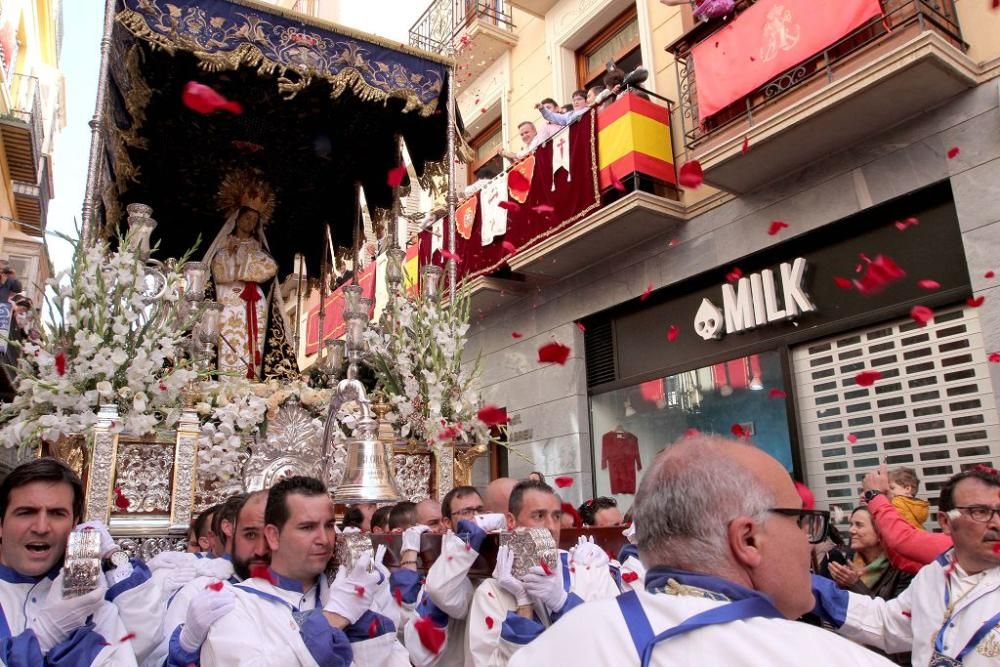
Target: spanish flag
[(633, 136)]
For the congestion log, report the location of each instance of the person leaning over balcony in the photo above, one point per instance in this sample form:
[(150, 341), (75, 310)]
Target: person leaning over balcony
[(529, 136), (579, 108), (40, 502)]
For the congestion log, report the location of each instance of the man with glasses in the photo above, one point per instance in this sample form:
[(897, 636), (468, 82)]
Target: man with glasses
[(727, 544), (950, 613), (447, 595)]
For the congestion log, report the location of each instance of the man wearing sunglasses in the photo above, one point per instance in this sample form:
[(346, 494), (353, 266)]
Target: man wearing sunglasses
[(950, 613), (721, 528)]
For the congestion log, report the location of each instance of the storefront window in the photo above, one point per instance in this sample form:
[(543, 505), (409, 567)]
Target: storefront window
[(632, 425)]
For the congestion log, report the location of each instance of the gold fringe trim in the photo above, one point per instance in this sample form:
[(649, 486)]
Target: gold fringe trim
[(251, 56)]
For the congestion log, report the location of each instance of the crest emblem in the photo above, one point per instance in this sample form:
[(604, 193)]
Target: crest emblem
[(780, 33)]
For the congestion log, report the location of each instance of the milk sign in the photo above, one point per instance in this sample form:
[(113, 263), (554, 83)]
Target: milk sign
[(755, 301)]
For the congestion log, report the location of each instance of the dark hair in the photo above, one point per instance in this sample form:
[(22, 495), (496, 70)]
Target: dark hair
[(517, 494), (596, 90), (228, 511), (589, 510), (983, 473), (614, 77), (541, 477), (549, 100), (353, 518), (202, 519), (457, 492), (567, 107), (276, 511), (46, 469), (381, 516), (403, 515), (579, 93), (834, 535)]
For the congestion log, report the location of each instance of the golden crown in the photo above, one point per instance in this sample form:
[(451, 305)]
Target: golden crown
[(246, 188)]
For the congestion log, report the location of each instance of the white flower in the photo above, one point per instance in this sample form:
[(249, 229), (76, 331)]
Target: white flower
[(104, 388)]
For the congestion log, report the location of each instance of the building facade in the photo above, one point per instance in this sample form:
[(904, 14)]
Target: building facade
[(750, 305)]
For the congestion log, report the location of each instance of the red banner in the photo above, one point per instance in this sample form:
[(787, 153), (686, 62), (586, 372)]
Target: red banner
[(544, 212), (333, 324), (769, 38)]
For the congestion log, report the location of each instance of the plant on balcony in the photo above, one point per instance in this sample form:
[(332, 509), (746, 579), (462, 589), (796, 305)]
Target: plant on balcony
[(417, 358), (106, 342)]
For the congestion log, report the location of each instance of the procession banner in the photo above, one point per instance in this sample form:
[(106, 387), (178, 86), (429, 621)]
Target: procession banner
[(770, 37), (543, 211)]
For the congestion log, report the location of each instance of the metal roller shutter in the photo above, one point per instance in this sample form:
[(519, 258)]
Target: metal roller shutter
[(933, 410)]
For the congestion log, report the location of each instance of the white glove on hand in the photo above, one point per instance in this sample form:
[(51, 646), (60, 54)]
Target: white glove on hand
[(351, 592), (411, 537), (506, 580), (629, 533), (589, 554), (176, 578), (350, 530), (546, 589), (205, 609), (491, 522), (170, 559), (108, 545), (58, 617)]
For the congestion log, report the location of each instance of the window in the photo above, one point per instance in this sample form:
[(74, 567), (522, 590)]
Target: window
[(619, 41), (632, 425), (486, 145)]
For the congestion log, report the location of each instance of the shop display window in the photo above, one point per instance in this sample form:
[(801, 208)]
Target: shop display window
[(632, 425)]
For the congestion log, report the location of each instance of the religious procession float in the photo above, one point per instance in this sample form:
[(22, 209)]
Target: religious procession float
[(242, 162)]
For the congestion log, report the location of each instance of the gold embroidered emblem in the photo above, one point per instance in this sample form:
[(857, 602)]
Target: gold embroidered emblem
[(990, 646)]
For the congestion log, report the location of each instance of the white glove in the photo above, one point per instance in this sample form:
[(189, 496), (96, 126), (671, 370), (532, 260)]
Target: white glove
[(58, 617), (629, 533), (351, 592), (175, 578), (170, 559), (506, 580), (491, 522), (546, 589), (411, 537), (108, 545), (207, 607), (589, 554), (350, 530), (217, 568)]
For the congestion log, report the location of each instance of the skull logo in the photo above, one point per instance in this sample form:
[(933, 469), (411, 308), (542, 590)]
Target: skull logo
[(708, 321)]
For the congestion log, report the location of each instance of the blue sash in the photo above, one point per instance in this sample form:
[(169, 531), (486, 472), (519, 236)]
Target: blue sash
[(979, 635)]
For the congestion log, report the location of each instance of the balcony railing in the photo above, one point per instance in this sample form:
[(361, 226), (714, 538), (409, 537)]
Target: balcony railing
[(444, 21), (23, 130), (901, 17)]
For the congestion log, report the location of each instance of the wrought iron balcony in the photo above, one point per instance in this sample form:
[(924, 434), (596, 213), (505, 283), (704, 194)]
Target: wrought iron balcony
[(22, 129), (911, 57), (480, 30), (32, 201)]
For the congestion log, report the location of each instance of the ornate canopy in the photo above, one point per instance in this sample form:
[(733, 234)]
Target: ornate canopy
[(322, 105)]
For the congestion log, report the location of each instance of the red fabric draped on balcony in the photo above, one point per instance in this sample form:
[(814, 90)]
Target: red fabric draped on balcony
[(769, 38), (571, 200)]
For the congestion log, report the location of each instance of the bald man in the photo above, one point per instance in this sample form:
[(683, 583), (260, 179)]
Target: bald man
[(429, 514), (497, 497), (723, 533)]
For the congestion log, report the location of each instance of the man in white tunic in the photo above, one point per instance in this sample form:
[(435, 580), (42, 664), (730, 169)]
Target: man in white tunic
[(40, 502), (722, 531), (508, 613), (286, 615), (950, 614)]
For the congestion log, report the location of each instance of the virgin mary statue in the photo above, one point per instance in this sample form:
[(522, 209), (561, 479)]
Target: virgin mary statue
[(242, 267)]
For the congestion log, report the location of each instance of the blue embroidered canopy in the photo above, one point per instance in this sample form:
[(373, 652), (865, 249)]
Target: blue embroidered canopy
[(224, 34), (321, 109)]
